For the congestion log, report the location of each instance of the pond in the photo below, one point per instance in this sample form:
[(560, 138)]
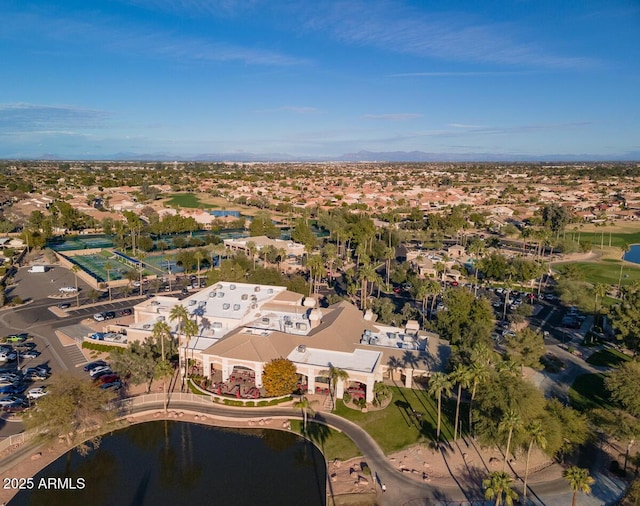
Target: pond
[(175, 463), (633, 255)]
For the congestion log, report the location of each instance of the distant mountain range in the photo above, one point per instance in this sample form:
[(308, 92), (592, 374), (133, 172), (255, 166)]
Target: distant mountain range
[(360, 156)]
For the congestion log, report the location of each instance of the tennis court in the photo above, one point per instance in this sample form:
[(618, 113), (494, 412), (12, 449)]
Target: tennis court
[(84, 242)]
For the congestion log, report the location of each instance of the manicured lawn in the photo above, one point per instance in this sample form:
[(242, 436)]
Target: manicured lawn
[(186, 200), (334, 444), (608, 358), (588, 392), (411, 417), (608, 272), (617, 238)]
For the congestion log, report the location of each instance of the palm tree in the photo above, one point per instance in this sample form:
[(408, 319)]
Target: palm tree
[(478, 372), (108, 267), (180, 315), (335, 375), (305, 405), (439, 383), (381, 391), (75, 269), (498, 486), (199, 256), (510, 422), (367, 273), (388, 254), (579, 481), (315, 264), (190, 329), (462, 376), (536, 437), (252, 249), (599, 291), (164, 371), (160, 332)]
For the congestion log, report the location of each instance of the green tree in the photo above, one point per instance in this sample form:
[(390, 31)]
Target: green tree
[(74, 409), (579, 481), (439, 384), (624, 385), (279, 377), (526, 348), (498, 486), (625, 318)]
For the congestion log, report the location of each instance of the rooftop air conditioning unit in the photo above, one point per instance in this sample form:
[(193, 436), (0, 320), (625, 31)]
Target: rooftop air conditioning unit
[(302, 348), (212, 294), (160, 318), (232, 287), (226, 306), (256, 288), (266, 321), (217, 325), (269, 290), (301, 326), (244, 296), (220, 295), (236, 307)]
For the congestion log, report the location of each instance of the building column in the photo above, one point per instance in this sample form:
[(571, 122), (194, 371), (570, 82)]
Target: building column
[(226, 370), (340, 389), (311, 381), (258, 371), (369, 393), (408, 378)]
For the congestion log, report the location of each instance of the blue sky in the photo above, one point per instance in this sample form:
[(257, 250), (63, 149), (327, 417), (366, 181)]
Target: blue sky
[(319, 77)]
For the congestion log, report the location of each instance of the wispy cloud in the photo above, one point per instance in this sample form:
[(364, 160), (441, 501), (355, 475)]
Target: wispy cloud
[(393, 117), (464, 74), (292, 108), (125, 37), (212, 8), (462, 125), (448, 36), (46, 118)]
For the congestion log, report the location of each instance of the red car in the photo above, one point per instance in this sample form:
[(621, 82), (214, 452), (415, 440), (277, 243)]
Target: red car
[(107, 378)]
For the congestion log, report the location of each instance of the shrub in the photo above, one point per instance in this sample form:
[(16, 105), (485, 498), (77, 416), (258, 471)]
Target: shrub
[(99, 347)]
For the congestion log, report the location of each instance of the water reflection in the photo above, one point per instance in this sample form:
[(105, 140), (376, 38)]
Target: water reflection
[(175, 463)]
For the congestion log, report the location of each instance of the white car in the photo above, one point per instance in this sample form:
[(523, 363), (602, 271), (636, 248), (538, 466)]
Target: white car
[(68, 289), (98, 370), (99, 317), (36, 393)]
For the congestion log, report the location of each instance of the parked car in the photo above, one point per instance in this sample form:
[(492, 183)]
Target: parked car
[(30, 354), (92, 365), (10, 399), (16, 407), (17, 338), (36, 393), (109, 315), (68, 289), (115, 385), (64, 305), (106, 378), (126, 312), (28, 345), (99, 370), (36, 375), (99, 317), (7, 355), (13, 388)]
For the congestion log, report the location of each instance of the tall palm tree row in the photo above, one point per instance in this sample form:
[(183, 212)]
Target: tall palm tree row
[(536, 437)]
